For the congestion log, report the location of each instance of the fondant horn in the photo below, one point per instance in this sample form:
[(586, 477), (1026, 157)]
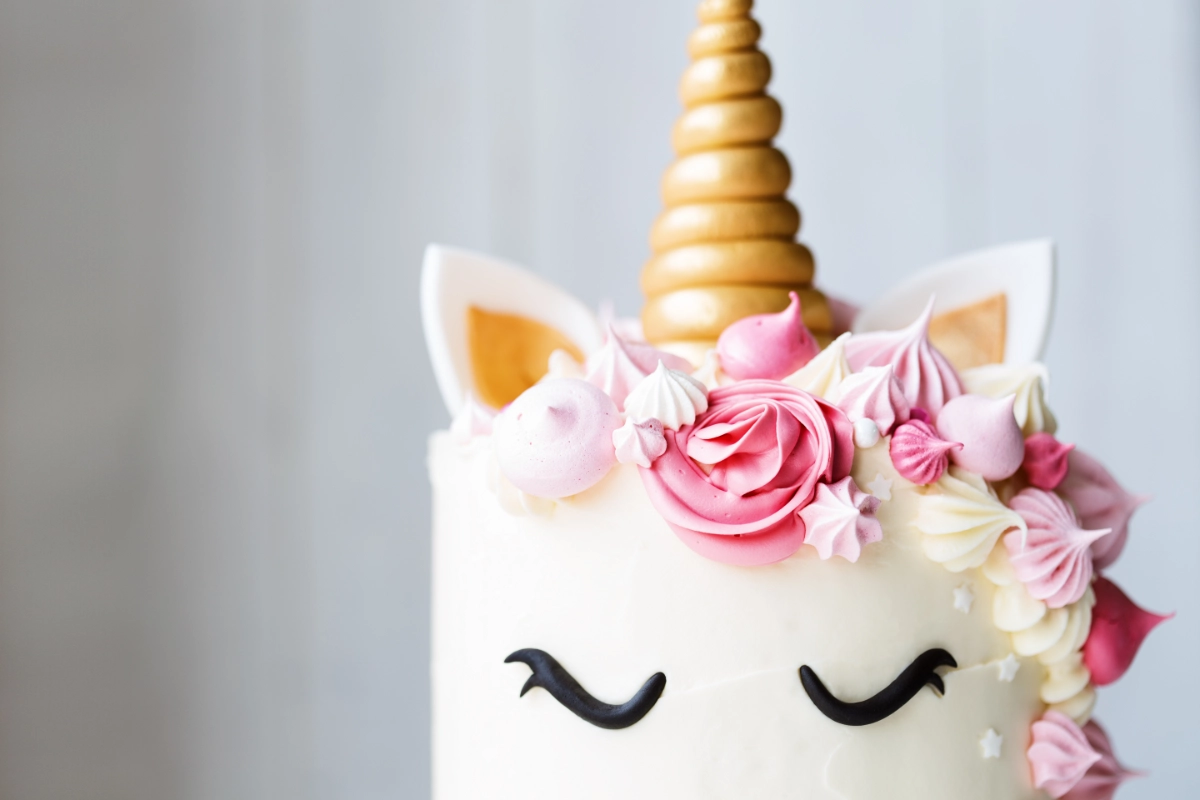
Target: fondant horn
[(725, 246)]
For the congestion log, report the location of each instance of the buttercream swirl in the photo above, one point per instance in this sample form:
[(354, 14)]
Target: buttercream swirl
[(639, 442), (1027, 382), (825, 372), (1060, 754), (961, 520), (840, 520), (1053, 558), (672, 397), (873, 394), (928, 379)]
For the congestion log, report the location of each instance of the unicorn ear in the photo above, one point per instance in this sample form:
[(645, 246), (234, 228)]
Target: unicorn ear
[(491, 326), (993, 306)]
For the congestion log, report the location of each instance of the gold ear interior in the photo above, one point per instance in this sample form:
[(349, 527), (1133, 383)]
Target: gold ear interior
[(973, 335), (509, 353)]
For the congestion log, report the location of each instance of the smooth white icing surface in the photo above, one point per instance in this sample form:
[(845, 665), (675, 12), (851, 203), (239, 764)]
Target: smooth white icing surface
[(602, 584)]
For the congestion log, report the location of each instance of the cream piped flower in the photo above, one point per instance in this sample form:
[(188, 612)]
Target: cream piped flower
[(961, 520)]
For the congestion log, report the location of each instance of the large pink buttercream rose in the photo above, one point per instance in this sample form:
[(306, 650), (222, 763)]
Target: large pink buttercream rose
[(731, 484)]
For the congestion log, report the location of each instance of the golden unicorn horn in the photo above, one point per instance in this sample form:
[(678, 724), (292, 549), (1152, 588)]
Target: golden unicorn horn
[(725, 246)]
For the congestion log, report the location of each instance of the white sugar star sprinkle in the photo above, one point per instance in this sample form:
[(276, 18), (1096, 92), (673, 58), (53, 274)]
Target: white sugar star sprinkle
[(991, 744), (964, 598), (1008, 668), (881, 487)]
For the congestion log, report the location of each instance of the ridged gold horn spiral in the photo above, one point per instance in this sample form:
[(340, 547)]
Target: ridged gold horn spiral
[(725, 245)]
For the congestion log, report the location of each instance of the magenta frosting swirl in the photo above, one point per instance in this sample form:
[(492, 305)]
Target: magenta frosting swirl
[(928, 379), (1054, 559), (730, 484), (1119, 626), (1060, 754), (1045, 461), (918, 453)]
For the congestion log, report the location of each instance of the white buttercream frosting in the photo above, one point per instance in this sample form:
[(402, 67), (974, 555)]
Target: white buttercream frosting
[(473, 420), (1030, 384), (672, 397), (827, 369), (962, 520)]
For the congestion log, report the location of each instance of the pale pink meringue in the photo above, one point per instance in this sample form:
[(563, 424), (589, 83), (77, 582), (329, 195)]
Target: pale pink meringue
[(927, 377), (1045, 461), (840, 520), (1101, 780), (620, 365), (993, 445), (873, 394), (1060, 754), (1101, 503), (1119, 626), (639, 442), (767, 346), (556, 439), (472, 420), (1053, 559), (918, 453)]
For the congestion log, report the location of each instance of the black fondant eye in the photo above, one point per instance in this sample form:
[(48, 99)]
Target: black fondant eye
[(919, 673), (548, 674)]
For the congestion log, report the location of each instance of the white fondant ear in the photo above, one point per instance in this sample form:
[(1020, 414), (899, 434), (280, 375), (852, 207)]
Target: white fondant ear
[(453, 281), (1023, 272)]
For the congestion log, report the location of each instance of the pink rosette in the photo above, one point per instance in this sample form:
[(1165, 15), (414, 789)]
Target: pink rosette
[(1054, 559), (730, 484), (1060, 754)]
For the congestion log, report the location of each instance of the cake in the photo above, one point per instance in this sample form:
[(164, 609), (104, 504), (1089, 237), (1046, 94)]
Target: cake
[(762, 544)]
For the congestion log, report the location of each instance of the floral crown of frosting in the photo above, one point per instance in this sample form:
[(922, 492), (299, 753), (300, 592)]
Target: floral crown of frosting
[(748, 455)]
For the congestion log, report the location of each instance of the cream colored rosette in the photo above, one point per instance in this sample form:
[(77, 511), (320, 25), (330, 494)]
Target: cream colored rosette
[(725, 246)]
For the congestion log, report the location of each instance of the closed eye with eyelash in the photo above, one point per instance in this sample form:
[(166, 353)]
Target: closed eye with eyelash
[(548, 674), (887, 702)]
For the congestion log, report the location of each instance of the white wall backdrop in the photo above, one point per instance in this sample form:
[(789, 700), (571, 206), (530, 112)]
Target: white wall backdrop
[(214, 398)]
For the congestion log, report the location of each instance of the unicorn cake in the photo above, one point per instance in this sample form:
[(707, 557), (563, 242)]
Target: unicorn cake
[(761, 543)]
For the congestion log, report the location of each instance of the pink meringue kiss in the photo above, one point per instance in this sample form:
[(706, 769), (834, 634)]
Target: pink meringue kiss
[(620, 365), (768, 346), (1101, 780), (873, 394), (1053, 559), (1045, 461), (993, 445), (1119, 626), (1101, 503), (1060, 754), (918, 453), (927, 377), (639, 442), (840, 520), (556, 439)]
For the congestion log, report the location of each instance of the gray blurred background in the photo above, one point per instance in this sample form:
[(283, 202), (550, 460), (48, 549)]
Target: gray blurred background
[(213, 392)]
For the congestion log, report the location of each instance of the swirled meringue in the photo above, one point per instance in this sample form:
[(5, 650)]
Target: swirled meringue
[(992, 444), (840, 520), (1101, 780), (1053, 560), (555, 439), (1118, 629), (1028, 382), (961, 520), (918, 453), (826, 370), (472, 420), (1060, 754), (639, 442), (927, 377), (672, 397), (767, 346), (1045, 462), (1101, 503), (873, 394)]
